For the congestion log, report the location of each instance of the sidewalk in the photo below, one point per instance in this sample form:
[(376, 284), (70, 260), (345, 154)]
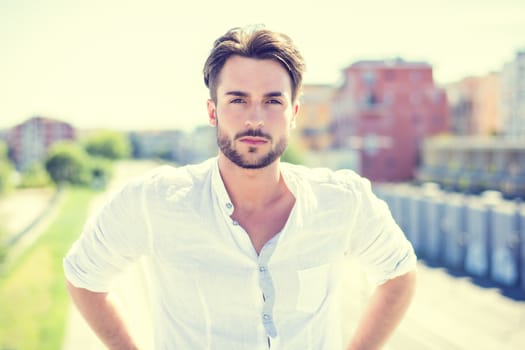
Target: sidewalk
[(20, 207), (450, 313), (26, 214)]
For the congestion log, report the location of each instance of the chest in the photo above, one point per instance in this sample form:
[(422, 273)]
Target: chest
[(263, 225)]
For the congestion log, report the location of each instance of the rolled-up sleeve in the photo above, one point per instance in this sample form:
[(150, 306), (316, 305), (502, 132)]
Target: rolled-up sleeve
[(112, 238), (376, 241)]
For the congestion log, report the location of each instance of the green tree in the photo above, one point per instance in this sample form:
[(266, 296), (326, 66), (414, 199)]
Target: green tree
[(108, 144), (68, 162), (6, 169), (293, 155), (101, 171)]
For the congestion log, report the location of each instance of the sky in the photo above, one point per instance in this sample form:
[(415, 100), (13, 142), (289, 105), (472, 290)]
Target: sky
[(137, 65)]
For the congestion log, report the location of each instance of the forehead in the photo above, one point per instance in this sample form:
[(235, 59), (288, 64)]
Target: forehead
[(254, 75)]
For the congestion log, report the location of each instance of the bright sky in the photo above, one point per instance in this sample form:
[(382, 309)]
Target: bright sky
[(128, 64)]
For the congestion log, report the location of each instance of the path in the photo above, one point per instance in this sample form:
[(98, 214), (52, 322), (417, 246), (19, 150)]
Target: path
[(20, 207)]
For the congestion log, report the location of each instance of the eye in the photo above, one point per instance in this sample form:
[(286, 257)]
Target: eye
[(237, 100), (274, 102)]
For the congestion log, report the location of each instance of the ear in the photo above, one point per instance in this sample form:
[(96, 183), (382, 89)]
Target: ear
[(295, 112), (212, 113)]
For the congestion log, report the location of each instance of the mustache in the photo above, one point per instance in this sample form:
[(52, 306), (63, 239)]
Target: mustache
[(253, 133)]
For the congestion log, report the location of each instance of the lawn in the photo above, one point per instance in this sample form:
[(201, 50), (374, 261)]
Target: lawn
[(33, 298)]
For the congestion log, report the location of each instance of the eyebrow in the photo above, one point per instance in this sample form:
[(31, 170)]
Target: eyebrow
[(245, 94)]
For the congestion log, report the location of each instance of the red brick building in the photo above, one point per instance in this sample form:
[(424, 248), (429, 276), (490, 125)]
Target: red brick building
[(30, 141), (385, 109)]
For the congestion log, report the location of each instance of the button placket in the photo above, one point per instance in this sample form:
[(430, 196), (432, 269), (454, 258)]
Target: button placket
[(267, 289)]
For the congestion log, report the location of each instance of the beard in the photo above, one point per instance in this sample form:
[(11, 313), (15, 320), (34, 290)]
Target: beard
[(253, 160)]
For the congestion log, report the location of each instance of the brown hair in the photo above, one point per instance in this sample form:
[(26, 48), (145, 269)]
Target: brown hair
[(254, 43)]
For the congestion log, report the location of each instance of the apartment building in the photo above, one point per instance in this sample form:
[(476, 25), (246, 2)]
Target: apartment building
[(474, 105), (385, 109), (313, 123), (30, 141), (513, 96)]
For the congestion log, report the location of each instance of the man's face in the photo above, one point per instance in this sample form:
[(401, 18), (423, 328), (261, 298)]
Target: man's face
[(254, 112)]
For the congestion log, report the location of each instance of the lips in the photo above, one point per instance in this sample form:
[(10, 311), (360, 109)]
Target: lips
[(253, 140)]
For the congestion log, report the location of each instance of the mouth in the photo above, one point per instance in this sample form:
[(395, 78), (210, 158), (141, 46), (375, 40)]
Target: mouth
[(253, 140)]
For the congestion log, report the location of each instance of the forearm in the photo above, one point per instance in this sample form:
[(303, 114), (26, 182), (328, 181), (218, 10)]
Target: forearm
[(385, 310), (103, 317)]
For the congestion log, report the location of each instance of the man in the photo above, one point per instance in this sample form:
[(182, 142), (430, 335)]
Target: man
[(246, 252)]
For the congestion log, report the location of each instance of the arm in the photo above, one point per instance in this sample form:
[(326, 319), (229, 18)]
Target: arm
[(384, 312), (103, 317)]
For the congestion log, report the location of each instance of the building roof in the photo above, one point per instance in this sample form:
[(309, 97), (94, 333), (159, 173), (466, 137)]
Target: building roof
[(390, 63), (475, 143)]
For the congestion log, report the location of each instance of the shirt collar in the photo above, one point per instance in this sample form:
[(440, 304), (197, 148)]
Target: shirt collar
[(220, 190), (291, 181)]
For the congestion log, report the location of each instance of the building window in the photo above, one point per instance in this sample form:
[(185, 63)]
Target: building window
[(369, 78), (390, 75), (371, 100)]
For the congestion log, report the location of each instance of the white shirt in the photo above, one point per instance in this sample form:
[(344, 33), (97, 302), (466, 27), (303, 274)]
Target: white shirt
[(210, 289)]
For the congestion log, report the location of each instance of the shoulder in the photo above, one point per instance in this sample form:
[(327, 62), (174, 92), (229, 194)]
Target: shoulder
[(176, 175), (165, 179), (342, 179)]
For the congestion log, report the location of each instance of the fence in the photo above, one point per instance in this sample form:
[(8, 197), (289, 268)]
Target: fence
[(481, 236)]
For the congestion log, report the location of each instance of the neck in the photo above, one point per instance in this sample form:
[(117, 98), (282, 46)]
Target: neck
[(251, 188)]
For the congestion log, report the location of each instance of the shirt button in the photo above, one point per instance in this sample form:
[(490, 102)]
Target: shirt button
[(234, 223), (262, 269), (229, 205), (267, 317)]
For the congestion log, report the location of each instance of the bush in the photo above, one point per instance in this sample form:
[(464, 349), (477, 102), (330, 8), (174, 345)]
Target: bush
[(101, 171), (68, 163), (6, 172), (35, 176), (108, 144)]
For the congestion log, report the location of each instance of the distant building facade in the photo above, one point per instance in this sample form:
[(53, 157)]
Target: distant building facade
[(475, 164), (474, 105), (4, 133), (30, 141), (385, 109), (315, 116), (513, 96), (175, 145)]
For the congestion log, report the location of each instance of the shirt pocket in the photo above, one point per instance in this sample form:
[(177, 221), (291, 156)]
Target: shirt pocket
[(312, 288)]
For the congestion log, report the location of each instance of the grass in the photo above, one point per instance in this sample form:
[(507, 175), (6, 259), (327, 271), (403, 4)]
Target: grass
[(33, 298)]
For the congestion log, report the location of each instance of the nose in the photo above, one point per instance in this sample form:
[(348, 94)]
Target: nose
[(255, 119), (250, 123)]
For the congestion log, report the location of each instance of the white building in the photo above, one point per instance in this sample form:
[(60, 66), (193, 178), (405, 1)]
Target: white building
[(513, 96)]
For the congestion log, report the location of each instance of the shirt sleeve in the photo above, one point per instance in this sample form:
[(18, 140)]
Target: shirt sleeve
[(111, 239), (376, 241)]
